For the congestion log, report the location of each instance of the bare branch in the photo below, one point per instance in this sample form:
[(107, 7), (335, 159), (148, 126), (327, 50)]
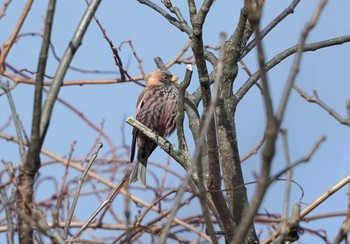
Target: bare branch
[(105, 203), (6, 203), (285, 54), (304, 159), (63, 66), (62, 191), (163, 143), (4, 8), (30, 163), (315, 204), (181, 110), (285, 231), (317, 100), (13, 37), (345, 227), (295, 67), (77, 193), (205, 126), (169, 18), (15, 117), (254, 16), (289, 10), (110, 184)]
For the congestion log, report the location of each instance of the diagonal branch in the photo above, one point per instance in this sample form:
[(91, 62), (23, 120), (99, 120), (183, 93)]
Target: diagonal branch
[(285, 54), (318, 101), (297, 60), (163, 143), (63, 66), (340, 184), (289, 10), (166, 15), (16, 120), (13, 37)]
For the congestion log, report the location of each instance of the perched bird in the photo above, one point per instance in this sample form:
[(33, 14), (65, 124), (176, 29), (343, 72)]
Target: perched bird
[(156, 109)]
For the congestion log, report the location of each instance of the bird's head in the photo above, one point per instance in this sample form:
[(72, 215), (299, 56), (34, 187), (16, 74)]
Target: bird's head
[(160, 78)]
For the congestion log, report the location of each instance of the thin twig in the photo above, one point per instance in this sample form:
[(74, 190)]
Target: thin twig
[(345, 227), (62, 191), (315, 99), (285, 54), (4, 8), (301, 160), (167, 16), (106, 182), (315, 204), (297, 60), (6, 205), (254, 151), (289, 10), (79, 186), (138, 59), (179, 55), (116, 57), (287, 189), (13, 37), (15, 117), (105, 203)]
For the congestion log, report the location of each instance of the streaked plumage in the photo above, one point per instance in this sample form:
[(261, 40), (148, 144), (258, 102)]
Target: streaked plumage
[(156, 109)]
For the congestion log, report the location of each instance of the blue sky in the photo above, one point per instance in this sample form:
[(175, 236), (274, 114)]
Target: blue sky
[(324, 71)]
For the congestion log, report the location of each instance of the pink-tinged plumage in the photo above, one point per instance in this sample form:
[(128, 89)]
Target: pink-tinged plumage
[(156, 109)]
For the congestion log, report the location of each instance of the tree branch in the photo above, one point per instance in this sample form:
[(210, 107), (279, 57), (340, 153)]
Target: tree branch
[(254, 15), (13, 37), (30, 163), (285, 54), (318, 101), (289, 10), (63, 66)]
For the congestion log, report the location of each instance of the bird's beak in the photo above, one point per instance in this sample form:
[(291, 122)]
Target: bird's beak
[(174, 79)]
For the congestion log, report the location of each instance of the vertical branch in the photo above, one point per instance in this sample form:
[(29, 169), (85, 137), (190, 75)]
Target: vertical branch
[(30, 163), (345, 227), (214, 177), (225, 115), (205, 122), (181, 110), (197, 20), (6, 203), (254, 11), (77, 193), (63, 191), (15, 117), (272, 123), (296, 63), (287, 189), (236, 193)]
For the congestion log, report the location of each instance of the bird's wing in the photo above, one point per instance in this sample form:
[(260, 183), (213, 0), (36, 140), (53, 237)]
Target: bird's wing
[(140, 103)]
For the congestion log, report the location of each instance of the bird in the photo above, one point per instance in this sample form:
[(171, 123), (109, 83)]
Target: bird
[(156, 108)]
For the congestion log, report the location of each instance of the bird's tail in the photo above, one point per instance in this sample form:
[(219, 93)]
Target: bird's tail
[(138, 174)]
